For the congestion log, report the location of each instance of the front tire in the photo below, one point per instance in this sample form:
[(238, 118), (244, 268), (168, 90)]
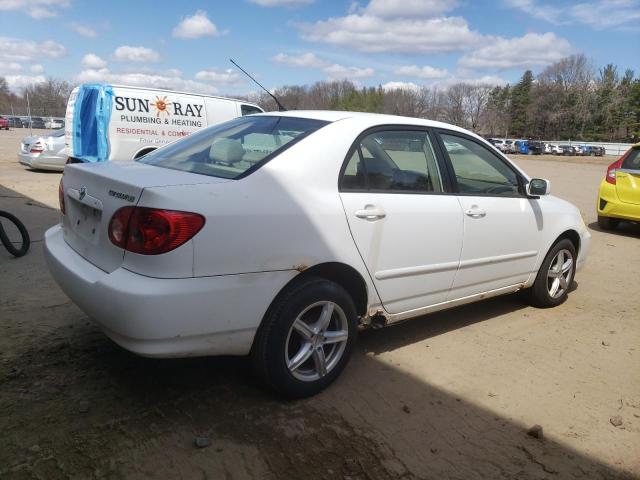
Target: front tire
[(555, 276), (306, 338)]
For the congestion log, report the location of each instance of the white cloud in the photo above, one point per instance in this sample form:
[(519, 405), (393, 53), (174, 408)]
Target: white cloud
[(606, 13), (20, 50), (426, 72), (409, 8), (334, 71), (281, 3), (531, 50), (91, 60), (37, 9), (196, 26), (483, 80), (6, 67), (227, 77), (549, 13), (376, 34), (401, 86), (168, 80), (338, 72), (305, 60), (127, 53), (17, 82), (82, 29), (36, 68), (598, 14)]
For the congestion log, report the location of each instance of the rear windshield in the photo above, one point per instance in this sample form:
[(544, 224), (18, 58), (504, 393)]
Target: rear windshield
[(632, 162), (235, 148)]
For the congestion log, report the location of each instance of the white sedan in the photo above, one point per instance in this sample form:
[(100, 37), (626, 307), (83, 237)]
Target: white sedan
[(279, 235), (46, 152)]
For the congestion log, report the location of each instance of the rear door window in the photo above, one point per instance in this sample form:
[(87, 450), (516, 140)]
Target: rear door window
[(392, 161)]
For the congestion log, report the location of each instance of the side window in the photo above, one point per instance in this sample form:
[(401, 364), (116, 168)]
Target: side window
[(249, 109), (393, 160), (478, 170), (632, 162)]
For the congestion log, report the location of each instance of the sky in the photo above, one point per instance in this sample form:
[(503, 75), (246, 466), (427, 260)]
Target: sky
[(186, 45)]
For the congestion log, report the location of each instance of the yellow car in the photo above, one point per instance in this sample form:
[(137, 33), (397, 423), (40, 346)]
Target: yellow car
[(619, 196)]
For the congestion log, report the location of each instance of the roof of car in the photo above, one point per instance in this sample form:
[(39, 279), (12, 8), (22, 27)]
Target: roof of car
[(371, 118)]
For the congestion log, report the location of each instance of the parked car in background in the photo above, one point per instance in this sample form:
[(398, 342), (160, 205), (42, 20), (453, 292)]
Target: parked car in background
[(14, 122), (509, 146), (567, 150), (53, 123), (38, 122), (4, 123), (121, 123), (522, 147), (44, 152), (599, 151), (279, 235), (556, 150), (535, 147), (548, 148), (619, 195), (498, 143), (577, 149)]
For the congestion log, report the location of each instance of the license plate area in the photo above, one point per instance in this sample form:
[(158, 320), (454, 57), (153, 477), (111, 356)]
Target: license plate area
[(85, 221)]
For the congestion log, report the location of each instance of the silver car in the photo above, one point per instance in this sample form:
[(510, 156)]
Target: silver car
[(44, 152)]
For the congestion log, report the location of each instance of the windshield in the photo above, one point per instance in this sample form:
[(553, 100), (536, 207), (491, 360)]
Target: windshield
[(235, 148)]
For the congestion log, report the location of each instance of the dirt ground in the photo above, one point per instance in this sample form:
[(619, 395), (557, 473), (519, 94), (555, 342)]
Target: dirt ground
[(450, 395)]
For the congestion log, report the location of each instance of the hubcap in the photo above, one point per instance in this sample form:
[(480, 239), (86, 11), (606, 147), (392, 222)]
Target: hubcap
[(559, 273), (316, 341)]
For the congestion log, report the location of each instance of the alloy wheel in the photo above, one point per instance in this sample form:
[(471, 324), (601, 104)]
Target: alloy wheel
[(559, 274), (316, 341)]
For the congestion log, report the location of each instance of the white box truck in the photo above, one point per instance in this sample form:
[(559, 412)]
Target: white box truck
[(119, 123)]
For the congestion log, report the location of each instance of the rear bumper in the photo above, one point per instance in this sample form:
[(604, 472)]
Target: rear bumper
[(166, 317), (44, 162), (609, 205)]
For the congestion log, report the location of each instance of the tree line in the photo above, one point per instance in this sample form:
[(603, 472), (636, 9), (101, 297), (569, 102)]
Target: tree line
[(46, 99), (568, 100)]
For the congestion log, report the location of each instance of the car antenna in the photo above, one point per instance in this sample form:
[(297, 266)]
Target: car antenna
[(280, 107)]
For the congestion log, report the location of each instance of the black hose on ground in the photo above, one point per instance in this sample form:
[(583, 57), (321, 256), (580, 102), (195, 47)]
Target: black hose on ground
[(8, 244)]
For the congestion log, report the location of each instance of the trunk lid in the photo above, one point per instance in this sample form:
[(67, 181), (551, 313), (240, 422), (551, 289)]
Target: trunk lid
[(92, 194), (26, 143)]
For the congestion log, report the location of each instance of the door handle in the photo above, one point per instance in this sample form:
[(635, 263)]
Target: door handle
[(372, 213), (475, 212)]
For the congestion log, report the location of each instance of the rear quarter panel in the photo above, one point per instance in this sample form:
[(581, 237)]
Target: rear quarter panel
[(285, 216)]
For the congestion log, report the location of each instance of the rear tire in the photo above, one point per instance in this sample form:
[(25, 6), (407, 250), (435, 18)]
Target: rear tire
[(306, 338), (555, 276), (607, 223)]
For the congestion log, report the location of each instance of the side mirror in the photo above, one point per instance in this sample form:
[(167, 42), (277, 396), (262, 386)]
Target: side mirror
[(538, 187)]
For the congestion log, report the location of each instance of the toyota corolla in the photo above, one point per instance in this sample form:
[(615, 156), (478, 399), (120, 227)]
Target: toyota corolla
[(280, 235)]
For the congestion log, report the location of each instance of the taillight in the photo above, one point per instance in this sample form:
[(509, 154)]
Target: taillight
[(151, 231), (61, 197), (611, 170), (37, 148)]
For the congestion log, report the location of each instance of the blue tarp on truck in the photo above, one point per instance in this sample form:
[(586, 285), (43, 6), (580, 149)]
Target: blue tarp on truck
[(91, 118)]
